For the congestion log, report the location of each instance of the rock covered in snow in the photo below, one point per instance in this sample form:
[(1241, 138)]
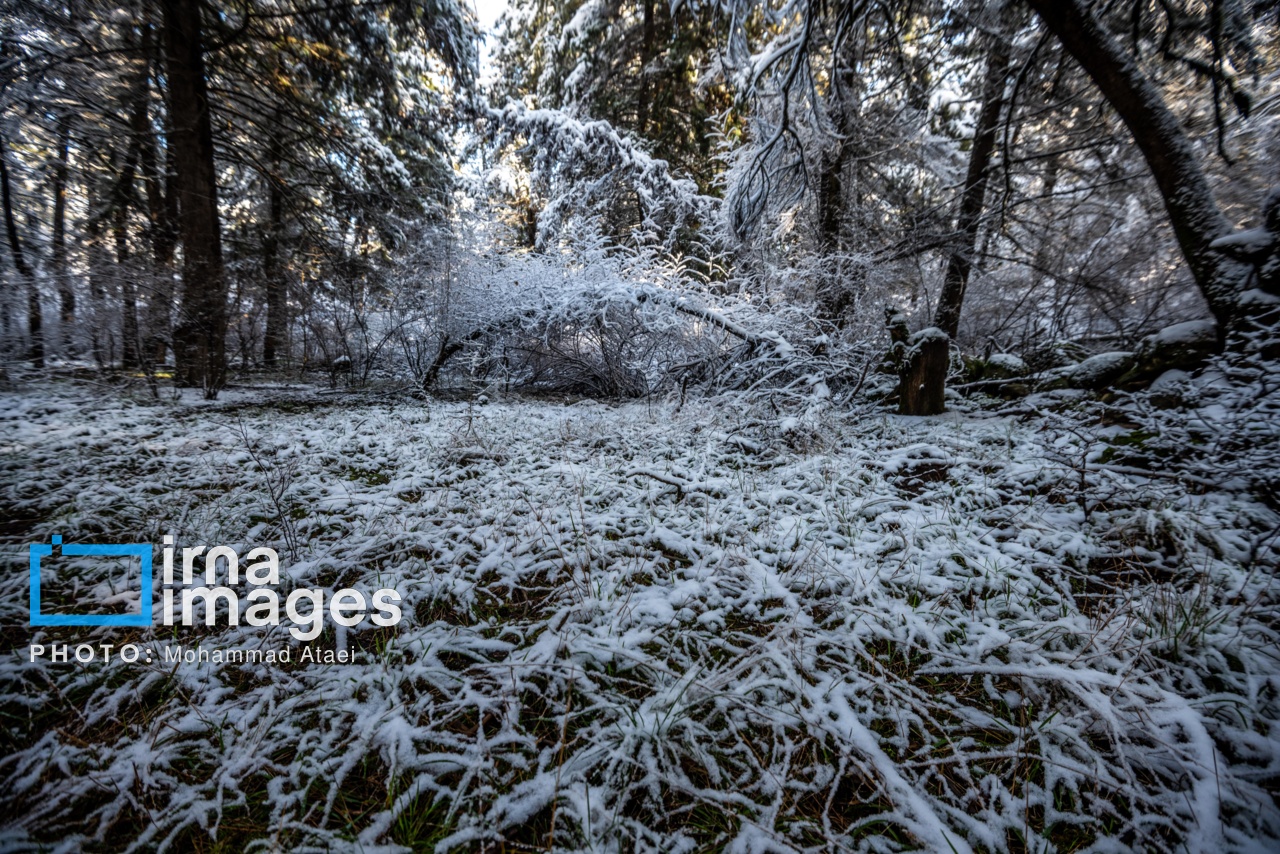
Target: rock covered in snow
[(1007, 364), (1100, 371), (1170, 389), (1184, 346), (1002, 374)]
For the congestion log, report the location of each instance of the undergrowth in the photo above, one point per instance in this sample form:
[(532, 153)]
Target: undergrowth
[(648, 628)]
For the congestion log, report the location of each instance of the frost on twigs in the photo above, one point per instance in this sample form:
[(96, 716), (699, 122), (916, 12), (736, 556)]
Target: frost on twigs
[(604, 321), (637, 628), (588, 166)]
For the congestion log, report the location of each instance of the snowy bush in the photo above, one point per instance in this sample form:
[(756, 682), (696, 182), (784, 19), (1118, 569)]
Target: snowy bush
[(595, 319)]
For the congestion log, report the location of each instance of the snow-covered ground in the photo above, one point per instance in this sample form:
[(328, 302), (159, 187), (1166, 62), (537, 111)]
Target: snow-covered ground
[(649, 628)]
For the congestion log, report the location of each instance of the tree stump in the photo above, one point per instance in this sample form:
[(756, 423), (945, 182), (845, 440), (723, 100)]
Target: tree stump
[(922, 377)]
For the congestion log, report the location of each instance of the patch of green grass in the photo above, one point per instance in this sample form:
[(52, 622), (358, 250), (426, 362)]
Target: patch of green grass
[(369, 477)]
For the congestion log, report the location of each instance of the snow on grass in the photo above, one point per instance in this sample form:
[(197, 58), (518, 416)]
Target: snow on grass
[(650, 628)]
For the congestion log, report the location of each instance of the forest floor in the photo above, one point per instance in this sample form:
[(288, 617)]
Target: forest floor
[(649, 627)]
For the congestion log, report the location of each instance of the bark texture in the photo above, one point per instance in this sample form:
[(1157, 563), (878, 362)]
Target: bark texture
[(35, 317), (58, 250), (922, 378), (199, 338), (273, 339)]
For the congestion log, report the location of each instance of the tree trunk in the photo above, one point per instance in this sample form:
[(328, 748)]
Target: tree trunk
[(97, 265), (35, 319), (273, 338), (128, 290), (124, 196), (1194, 214), (162, 214), (973, 198), (276, 325), (200, 336), (162, 211), (922, 378), (647, 52), (61, 273), (836, 295)]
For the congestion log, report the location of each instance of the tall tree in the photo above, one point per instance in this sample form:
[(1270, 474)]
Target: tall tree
[(1194, 214), (973, 195), (61, 271), (926, 364), (35, 316), (273, 339), (200, 334), (162, 216)]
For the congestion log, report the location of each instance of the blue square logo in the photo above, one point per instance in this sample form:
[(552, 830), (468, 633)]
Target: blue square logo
[(142, 551)]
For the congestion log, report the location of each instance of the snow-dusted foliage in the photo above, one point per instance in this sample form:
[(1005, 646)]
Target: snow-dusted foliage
[(643, 628), (790, 124), (595, 319), (1220, 425), (588, 169)]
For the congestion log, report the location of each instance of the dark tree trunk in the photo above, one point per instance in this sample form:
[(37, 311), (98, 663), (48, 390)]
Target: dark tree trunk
[(837, 294), (923, 375), (162, 211), (447, 350), (130, 357), (1194, 214), (97, 264), (162, 215), (647, 52), (273, 338), (831, 201), (35, 318), (199, 338), (922, 380), (128, 290), (973, 197), (830, 197), (61, 274), (528, 229)]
